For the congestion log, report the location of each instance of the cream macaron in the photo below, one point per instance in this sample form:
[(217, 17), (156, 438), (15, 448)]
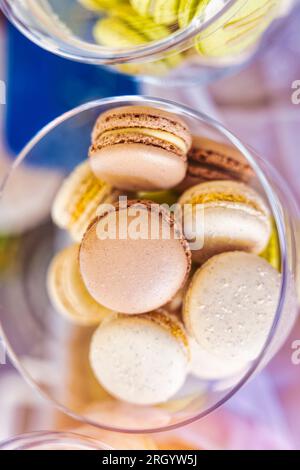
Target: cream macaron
[(134, 258), (79, 199), (68, 293), (138, 148), (141, 359), (230, 306), (225, 216)]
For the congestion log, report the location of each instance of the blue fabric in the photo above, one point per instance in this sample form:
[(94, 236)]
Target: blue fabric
[(42, 86)]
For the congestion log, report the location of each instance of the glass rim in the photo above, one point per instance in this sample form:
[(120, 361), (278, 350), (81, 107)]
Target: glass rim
[(28, 440), (276, 212), (101, 55)]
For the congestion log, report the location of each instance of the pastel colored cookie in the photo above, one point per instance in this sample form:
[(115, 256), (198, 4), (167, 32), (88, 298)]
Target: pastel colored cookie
[(162, 11), (191, 9), (207, 366), (225, 216), (141, 359), (140, 148), (238, 28), (68, 293), (209, 160), (231, 304), (123, 28), (79, 199), (134, 259)]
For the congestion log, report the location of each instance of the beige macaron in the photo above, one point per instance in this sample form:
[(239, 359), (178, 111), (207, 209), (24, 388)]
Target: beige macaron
[(134, 271), (68, 293), (141, 359), (231, 304), (138, 148), (225, 216)]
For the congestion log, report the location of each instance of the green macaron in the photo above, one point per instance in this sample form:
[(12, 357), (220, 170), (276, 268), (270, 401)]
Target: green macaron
[(237, 29), (124, 28), (162, 11)]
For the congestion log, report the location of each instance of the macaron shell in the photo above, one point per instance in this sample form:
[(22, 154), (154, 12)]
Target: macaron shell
[(230, 229), (126, 356), (137, 167), (231, 304), (165, 11), (225, 225), (68, 293), (230, 187), (210, 160), (133, 275), (189, 9), (142, 116), (238, 29)]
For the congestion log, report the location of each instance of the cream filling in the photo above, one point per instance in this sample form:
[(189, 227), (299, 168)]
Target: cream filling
[(162, 135), (214, 198)]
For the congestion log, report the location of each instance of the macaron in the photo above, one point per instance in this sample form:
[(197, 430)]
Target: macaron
[(206, 366), (123, 29), (238, 29), (134, 259), (230, 306), (272, 251), (78, 200), (225, 216), (68, 293), (162, 11), (188, 10), (140, 148), (141, 359), (209, 160)]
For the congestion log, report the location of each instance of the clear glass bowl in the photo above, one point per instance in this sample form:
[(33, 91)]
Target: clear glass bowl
[(50, 352), (148, 49), (52, 441)]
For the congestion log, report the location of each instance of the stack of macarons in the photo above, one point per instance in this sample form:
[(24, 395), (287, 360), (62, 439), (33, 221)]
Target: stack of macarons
[(132, 23), (163, 308)]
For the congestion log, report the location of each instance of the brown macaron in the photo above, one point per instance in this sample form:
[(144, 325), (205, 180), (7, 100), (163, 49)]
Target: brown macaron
[(140, 148), (134, 257), (209, 160)]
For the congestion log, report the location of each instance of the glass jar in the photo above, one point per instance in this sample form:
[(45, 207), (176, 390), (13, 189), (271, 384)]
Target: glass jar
[(51, 353), (52, 441), (175, 39)]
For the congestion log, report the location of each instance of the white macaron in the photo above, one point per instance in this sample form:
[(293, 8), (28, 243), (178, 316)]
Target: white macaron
[(231, 304), (141, 359)]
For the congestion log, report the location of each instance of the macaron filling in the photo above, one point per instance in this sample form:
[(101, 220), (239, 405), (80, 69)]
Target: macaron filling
[(170, 323), (124, 135), (211, 198), (89, 190)]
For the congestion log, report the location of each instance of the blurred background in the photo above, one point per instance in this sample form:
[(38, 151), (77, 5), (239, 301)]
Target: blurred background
[(256, 104)]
